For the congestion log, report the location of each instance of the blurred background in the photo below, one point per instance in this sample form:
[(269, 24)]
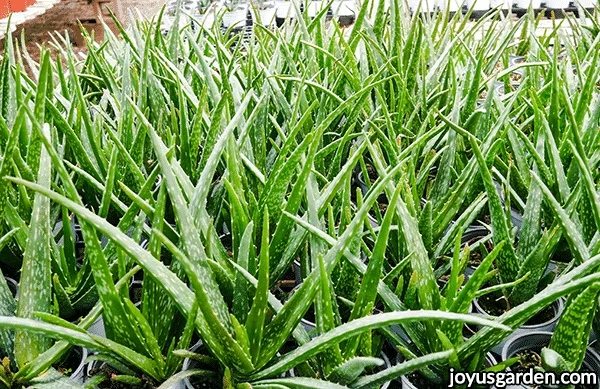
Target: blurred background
[(39, 18)]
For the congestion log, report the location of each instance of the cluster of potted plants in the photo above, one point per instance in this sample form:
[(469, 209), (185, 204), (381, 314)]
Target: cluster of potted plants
[(317, 207)]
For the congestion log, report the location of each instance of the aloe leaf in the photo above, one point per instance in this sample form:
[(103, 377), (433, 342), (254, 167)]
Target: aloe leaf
[(240, 299), (296, 383), (65, 308), (6, 162), (35, 286), (52, 379), (572, 331), (208, 294), (365, 301), (43, 361), (325, 318), (570, 230), (51, 330), (198, 199), (177, 378), (7, 308), (400, 369), (256, 318), (355, 327), (588, 181), (158, 307), (507, 261), (175, 287), (466, 295), (351, 369), (568, 283), (284, 226), (44, 80)]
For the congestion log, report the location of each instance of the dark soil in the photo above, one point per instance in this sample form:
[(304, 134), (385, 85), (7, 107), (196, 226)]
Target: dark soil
[(493, 306), (136, 292), (531, 359), (420, 382), (468, 331), (527, 360), (372, 172), (227, 241), (475, 258), (373, 176), (543, 316)]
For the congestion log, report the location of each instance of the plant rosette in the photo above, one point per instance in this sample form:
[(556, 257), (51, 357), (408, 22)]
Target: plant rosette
[(528, 346), (197, 382), (98, 367), (545, 320)]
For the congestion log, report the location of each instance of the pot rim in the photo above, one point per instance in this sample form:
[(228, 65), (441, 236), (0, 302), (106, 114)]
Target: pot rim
[(82, 364), (589, 351)]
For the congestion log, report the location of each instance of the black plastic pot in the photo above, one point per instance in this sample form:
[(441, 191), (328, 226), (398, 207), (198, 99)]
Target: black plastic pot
[(407, 384), (97, 328), (547, 326), (13, 285), (535, 341), (514, 60), (361, 183), (499, 87), (78, 356)]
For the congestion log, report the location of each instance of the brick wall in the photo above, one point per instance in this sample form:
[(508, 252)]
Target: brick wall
[(64, 17)]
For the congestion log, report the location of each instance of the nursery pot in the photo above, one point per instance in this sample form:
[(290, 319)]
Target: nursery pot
[(535, 341), (408, 384), (514, 60), (97, 328), (360, 177), (99, 365), (548, 325), (13, 285), (76, 362)]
